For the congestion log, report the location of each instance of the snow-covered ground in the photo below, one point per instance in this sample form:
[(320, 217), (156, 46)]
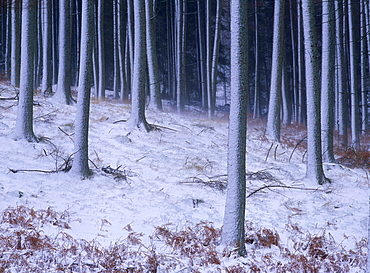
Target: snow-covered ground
[(161, 181)]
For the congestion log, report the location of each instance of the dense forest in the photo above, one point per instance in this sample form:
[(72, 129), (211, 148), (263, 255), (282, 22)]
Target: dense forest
[(289, 62), (188, 45)]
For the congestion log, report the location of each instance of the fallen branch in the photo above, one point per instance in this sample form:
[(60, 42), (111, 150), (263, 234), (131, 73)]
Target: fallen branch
[(282, 186), (38, 171)]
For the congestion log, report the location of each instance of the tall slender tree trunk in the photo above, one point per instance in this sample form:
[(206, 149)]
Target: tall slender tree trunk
[(201, 54), (314, 169), (364, 73), (63, 93), (151, 46), (137, 117), (273, 117), (46, 85), (15, 43), (233, 233), (342, 112), (216, 48), (24, 123), (100, 50), (256, 106), (80, 165), (121, 28), (355, 126), (116, 70), (328, 80), (180, 36)]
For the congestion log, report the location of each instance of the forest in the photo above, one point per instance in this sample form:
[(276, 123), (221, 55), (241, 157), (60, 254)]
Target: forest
[(277, 91)]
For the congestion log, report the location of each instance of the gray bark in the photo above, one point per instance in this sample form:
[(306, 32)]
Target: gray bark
[(24, 123), (314, 171), (233, 234), (80, 165)]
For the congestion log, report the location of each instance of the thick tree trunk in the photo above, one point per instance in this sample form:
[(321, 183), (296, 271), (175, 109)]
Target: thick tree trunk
[(24, 123), (314, 169), (233, 234), (137, 118), (80, 165)]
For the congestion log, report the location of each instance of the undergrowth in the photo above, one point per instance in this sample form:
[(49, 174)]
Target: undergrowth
[(26, 247)]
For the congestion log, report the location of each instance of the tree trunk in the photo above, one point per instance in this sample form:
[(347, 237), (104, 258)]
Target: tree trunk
[(355, 139), (273, 118), (233, 234), (63, 93), (15, 44), (24, 123), (46, 85), (328, 80), (80, 165), (137, 118), (314, 169), (100, 50), (341, 75), (151, 47)]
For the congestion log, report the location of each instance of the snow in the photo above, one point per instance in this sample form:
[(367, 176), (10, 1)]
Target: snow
[(186, 147)]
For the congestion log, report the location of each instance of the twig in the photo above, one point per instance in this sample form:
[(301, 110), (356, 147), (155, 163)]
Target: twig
[(281, 186), (295, 147), (272, 144), (277, 145), (118, 121), (68, 135), (11, 98), (164, 127)]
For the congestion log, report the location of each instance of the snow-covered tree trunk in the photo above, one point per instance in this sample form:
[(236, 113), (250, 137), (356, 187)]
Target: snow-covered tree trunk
[(151, 48), (130, 46), (15, 43), (328, 80), (137, 117), (121, 28), (100, 50), (24, 123), (216, 48), (273, 116), (201, 53), (180, 36), (116, 69), (294, 63), (256, 106), (80, 165), (233, 234), (46, 85), (355, 124), (63, 92), (314, 169), (209, 60), (301, 68), (364, 73), (340, 64), (8, 39)]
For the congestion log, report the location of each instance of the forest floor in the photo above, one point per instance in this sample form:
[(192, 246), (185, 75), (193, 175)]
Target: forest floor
[(155, 202)]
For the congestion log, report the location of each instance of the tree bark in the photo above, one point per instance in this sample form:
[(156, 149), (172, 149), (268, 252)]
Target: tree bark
[(233, 234), (80, 165), (314, 171), (24, 123)]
